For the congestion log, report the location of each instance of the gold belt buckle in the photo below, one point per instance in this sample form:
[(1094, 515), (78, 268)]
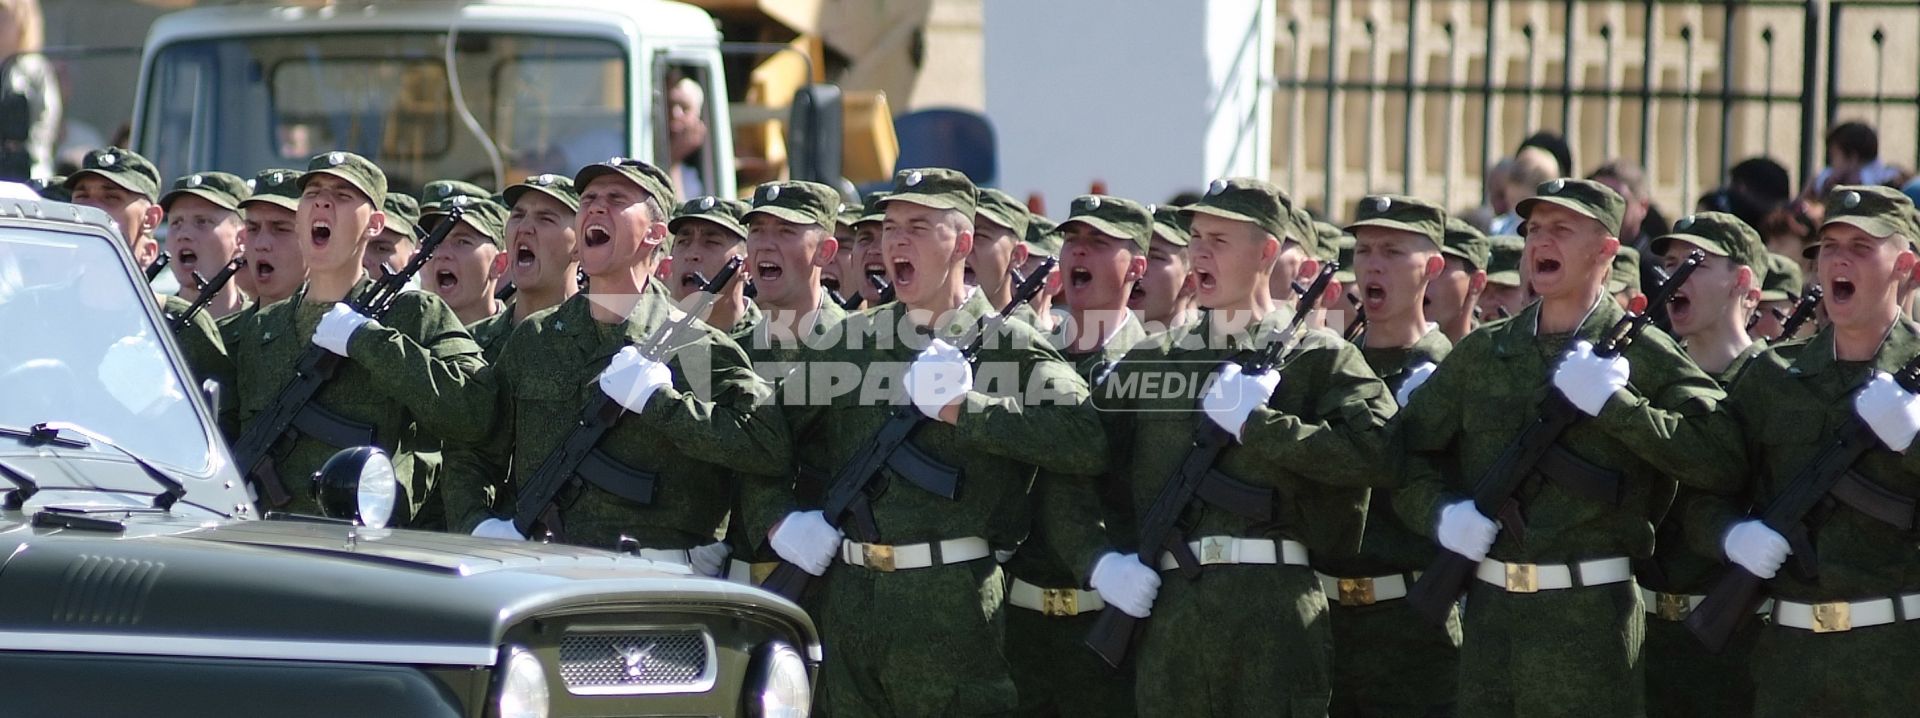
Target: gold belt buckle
[(759, 572), (1832, 617), (1059, 602), (1523, 578), (1670, 606), (1356, 591), (1213, 550), (877, 557)]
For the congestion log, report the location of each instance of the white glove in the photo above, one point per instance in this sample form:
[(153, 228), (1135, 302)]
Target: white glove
[(805, 539), (1126, 584), (937, 377), (1234, 395), (337, 327), (1415, 377), (1892, 413), (1464, 531), (498, 529), (1756, 548), (1588, 381), (709, 560), (632, 379)]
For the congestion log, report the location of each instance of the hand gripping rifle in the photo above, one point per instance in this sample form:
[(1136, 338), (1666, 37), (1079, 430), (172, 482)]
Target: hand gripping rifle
[(1737, 593), (1113, 631), (847, 504), (207, 291), (1434, 594), (293, 408), (576, 454)]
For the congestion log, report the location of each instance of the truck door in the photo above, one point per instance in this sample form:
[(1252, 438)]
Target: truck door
[(692, 137)]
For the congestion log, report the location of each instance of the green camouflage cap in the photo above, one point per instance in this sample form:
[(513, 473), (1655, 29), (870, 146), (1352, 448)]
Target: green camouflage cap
[(1403, 213), (277, 187), (849, 215), (870, 210), (225, 191), (1466, 242), (1586, 197), (1343, 253), (403, 214), (797, 202), (728, 213), (1002, 209), (651, 179), (1503, 260), (1879, 211), (1116, 217), (935, 187), (437, 192), (358, 171), (1043, 237), (1624, 274), (1784, 281), (122, 167), (53, 188), (1721, 235), (559, 187), (1169, 224), (1243, 199), (481, 213)]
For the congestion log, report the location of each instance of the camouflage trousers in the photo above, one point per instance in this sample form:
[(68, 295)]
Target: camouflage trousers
[(1567, 652), (1239, 641), (1684, 679), (922, 642), (1389, 662), (1862, 673), (1057, 674)]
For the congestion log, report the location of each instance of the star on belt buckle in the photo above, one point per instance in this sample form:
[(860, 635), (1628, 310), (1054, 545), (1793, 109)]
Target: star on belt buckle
[(1356, 591), (1670, 606), (877, 557), (1833, 617), (1523, 578), (1214, 550), (1061, 602)]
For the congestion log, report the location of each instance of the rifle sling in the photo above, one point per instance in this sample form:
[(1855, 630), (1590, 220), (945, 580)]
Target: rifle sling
[(316, 422), (1877, 502), (1580, 477), (617, 478)]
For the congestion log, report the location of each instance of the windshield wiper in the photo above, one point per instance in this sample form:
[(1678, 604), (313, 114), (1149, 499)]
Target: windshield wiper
[(53, 433), (24, 487)]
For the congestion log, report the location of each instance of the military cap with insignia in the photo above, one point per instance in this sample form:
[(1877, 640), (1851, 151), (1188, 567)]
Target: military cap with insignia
[(1624, 273), (1115, 217), (224, 190), (403, 214), (1170, 225), (1343, 253), (1784, 281), (480, 213), (936, 187), (1721, 235), (53, 188), (1503, 260), (437, 192), (122, 167), (1880, 211), (277, 187), (1043, 237), (728, 213), (798, 202), (870, 209), (1399, 212), (651, 179), (1002, 209), (1466, 242), (559, 187), (355, 170), (1586, 198), (1244, 199)]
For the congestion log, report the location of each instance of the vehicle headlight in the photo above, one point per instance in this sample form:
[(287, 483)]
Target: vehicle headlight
[(358, 483), (523, 686), (781, 688)]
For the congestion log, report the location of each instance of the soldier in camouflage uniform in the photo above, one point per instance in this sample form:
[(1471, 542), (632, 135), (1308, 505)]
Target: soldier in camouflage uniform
[(407, 372), (692, 421), (203, 233), (1623, 280), (1453, 298), (707, 231), (1387, 660), (1785, 281), (1306, 434), (1042, 241), (866, 262), (1843, 640), (540, 265), (469, 263), (1506, 293), (1553, 624), (912, 621), (999, 228), (1163, 298), (1709, 316), (272, 250), (399, 240), (434, 196)]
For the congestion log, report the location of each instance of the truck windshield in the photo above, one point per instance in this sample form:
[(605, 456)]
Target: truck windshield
[(243, 104), (83, 349)]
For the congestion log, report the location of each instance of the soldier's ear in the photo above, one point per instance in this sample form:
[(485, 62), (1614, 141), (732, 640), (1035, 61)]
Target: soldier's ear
[(829, 248), (1309, 269), (498, 268), (1137, 268), (1477, 284), (150, 218), (1020, 255), (1436, 263), (376, 223), (1905, 268)]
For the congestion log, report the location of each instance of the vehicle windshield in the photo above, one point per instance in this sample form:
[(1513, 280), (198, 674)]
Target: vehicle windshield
[(80, 347), (550, 104)]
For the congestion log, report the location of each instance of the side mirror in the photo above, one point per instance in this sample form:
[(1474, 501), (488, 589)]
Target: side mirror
[(357, 484), (814, 135)]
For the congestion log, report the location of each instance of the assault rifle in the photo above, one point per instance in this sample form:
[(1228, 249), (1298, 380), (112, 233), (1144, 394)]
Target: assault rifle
[(208, 289), (1802, 311), (159, 265)]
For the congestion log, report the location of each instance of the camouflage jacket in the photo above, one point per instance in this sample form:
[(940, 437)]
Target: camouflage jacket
[(717, 418), (205, 350), (491, 333), (1677, 567), (1663, 426), (409, 372), (779, 362), (1317, 442)]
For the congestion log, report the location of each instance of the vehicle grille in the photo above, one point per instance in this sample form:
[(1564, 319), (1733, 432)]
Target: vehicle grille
[(671, 660)]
